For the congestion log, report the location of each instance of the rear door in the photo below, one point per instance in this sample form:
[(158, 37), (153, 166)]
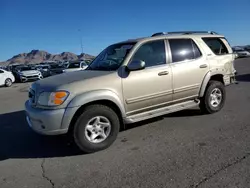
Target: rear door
[(189, 67)]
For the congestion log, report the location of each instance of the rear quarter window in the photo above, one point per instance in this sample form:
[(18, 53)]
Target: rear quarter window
[(216, 45)]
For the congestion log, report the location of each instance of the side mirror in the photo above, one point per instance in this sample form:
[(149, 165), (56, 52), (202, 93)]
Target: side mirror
[(136, 65)]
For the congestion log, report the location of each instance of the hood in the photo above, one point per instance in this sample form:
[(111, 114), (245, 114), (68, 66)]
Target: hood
[(29, 72), (53, 82)]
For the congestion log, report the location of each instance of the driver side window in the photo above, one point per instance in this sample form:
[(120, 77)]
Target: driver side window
[(152, 53)]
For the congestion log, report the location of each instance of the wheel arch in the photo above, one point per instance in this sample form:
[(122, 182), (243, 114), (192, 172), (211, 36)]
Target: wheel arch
[(102, 97), (217, 75)]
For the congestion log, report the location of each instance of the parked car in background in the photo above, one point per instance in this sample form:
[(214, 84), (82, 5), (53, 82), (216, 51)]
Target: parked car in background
[(6, 78), (14, 69), (65, 64), (247, 48), (44, 69), (56, 68), (27, 73), (241, 52), (76, 66)]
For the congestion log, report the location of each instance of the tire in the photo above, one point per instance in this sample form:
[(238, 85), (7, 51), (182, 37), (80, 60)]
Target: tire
[(207, 104), (82, 139), (8, 82)]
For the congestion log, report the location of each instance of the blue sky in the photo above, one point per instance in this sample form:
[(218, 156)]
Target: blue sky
[(53, 25)]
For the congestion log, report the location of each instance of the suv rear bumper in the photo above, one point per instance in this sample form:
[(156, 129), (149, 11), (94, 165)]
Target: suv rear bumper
[(46, 122), (229, 79)]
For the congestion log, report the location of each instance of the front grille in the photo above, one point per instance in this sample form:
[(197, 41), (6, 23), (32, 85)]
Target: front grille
[(32, 77)]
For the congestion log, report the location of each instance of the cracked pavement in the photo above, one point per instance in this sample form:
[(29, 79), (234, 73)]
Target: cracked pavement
[(44, 174), (184, 149)]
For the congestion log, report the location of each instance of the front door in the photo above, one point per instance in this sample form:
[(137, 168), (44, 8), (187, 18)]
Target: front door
[(150, 88), (189, 68)]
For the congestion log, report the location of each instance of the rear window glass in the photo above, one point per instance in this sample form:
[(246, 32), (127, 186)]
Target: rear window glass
[(216, 45)]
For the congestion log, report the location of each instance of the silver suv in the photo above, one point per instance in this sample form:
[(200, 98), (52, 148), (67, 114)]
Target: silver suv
[(131, 81)]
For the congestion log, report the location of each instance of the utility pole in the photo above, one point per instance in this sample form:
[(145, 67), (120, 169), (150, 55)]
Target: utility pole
[(81, 40)]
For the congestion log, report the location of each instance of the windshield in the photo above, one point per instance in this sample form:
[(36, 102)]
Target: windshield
[(74, 65), (26, 68), (111, 58)]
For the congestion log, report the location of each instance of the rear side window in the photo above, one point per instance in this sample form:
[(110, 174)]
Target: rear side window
[(216, 45), (1, 71), (183, 49)]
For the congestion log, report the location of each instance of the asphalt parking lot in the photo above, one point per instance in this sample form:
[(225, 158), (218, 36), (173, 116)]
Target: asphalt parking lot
[(184, 149)]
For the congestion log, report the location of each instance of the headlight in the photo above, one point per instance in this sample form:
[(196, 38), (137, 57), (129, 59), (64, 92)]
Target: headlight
[(52, 98)]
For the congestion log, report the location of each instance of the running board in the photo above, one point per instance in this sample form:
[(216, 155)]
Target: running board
[(162, 111)]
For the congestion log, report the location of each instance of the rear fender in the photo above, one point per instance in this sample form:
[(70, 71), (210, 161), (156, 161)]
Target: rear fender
[(207, 78)]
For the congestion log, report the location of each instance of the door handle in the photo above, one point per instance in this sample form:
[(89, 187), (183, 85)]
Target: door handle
[(163, 73), (203, 66)]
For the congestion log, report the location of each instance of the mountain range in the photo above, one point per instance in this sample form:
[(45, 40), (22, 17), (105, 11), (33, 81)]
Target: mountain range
[(38, 56)]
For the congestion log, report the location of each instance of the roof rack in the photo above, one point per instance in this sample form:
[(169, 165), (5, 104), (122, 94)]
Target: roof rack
[(184, 33)]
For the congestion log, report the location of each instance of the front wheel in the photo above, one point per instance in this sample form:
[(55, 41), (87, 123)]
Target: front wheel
[(214, 97), (8, 82), (96, 129)]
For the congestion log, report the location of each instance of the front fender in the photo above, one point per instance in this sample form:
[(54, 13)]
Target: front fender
[(96, 95)]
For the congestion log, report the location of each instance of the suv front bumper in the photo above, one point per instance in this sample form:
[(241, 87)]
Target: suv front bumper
[(46, 122)]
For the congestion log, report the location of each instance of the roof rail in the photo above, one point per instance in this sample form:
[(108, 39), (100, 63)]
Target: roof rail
[(159, 33), (184, 32)]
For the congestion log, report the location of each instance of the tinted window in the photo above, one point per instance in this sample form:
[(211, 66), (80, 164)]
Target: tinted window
[(153, 53), (1, 71), (216, 45), (74, 65), (182, 49), (26, 68)]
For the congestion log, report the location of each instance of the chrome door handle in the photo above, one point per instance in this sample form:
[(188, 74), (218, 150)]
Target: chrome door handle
[(203, 66), (163, 73)]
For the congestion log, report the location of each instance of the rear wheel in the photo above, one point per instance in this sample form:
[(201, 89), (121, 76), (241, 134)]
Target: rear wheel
[(8, 82), (96, 129), (214, 97)]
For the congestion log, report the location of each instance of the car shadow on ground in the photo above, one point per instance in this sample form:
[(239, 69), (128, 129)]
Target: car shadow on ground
[(17, 140), (243, 78)]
